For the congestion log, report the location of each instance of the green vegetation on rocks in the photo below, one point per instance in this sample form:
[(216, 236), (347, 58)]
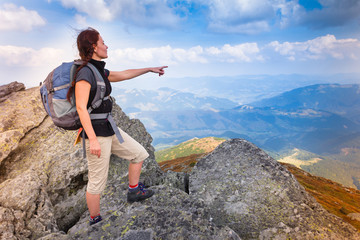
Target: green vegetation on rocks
[(193, 146)]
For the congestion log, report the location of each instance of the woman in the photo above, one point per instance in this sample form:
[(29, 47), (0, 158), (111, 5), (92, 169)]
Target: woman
[(101, 141)]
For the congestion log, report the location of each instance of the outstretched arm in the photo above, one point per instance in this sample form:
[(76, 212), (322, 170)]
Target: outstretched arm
[(132, 73)]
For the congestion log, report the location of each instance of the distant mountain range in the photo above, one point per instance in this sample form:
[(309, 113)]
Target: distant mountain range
[(343, 100), (313, 118), (323, 119), (243, 89), (166, 99)]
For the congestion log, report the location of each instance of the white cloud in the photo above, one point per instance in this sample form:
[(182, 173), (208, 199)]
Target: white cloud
[(256, 16), (319, 48), (28, 57), (162, 55), (143, 55), (97, 9), (324, 47), (288, 12), (247, 52), (245, 28), (81, 20), (144, 13), (240, 16), (223, 16), (147, 13), (252, 16), (13, 17), (332, 13), (194, 54)]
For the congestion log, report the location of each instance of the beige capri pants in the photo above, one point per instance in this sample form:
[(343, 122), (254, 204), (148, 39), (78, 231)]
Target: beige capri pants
[(130, 150)]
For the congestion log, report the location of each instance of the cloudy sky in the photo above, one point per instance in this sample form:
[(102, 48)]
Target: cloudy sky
[(193, 37)]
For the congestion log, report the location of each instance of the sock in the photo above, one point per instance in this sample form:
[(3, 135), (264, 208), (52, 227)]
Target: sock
[(92, 217), (133, 186)]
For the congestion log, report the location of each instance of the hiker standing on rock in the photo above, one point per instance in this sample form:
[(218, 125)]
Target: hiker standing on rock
[(101, 140)]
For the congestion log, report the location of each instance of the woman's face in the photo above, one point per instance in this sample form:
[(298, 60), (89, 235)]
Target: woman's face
[(100, 50)]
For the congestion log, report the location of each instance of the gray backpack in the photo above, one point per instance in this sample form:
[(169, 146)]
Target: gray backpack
[(54, 90), (63, 113)]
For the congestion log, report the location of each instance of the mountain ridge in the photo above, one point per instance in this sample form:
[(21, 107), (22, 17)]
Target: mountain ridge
[(166, 99), (340, 99), (261, 114)]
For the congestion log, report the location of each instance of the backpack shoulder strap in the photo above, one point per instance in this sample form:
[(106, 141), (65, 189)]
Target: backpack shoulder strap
[(96, 103), (100, 88), (100, 84)]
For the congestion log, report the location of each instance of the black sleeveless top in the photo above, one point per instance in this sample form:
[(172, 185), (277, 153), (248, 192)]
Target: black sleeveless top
[(101, 127)]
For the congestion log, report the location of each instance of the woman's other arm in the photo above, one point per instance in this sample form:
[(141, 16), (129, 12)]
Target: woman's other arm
[(82, 92)]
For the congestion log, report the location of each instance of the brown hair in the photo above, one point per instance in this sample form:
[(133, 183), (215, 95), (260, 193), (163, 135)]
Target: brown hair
[(86, 41)]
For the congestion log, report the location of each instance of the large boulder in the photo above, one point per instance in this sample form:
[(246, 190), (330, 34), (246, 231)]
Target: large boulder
[(20, 112), (248, 191)]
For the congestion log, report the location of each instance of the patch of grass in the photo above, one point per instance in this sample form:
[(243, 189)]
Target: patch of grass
[(193, 146)]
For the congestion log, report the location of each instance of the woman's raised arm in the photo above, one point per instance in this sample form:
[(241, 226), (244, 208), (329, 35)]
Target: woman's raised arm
[(117, 76)]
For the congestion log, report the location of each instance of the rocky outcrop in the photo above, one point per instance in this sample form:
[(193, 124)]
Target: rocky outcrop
[(169, 214), (20, 112), (43, 175), (8, 89), (248, 191), (236, 192)]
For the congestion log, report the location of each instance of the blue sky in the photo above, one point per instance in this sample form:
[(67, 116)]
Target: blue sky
[(195, 38)]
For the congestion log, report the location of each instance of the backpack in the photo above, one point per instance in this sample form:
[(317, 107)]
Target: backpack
[(63, 113), (55, 88)]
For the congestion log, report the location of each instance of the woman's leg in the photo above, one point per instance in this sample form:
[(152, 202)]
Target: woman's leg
[(131, 150), (93, 203), (134, 173), (98, 168)]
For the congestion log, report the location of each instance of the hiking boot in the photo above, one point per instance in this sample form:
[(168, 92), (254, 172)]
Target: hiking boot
[(142, 186), (95, 220), (138, 194)]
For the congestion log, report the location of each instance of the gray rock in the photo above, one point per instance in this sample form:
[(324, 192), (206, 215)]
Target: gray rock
[(43, 175), (258, 198), (26, 199), (169, 214), (7, 223), (20, 112), (10, 88)]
